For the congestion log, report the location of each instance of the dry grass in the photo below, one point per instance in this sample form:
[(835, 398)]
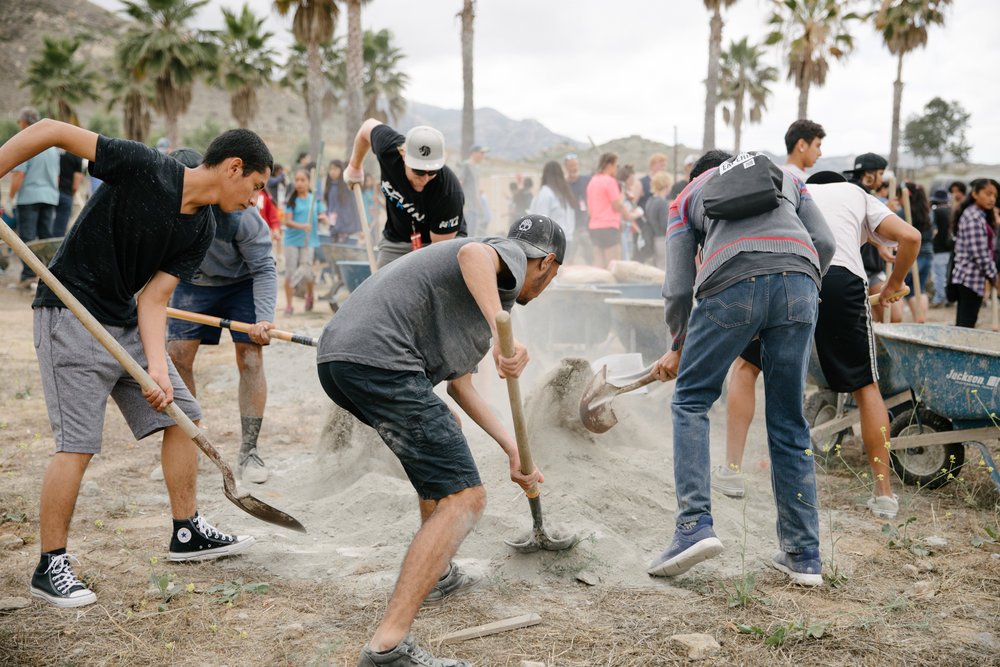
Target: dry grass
[(876, 617)]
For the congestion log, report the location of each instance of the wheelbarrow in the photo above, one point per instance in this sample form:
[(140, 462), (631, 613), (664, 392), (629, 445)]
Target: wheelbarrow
[(954, 376)]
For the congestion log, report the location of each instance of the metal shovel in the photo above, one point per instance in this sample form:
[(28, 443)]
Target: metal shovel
[(538, 538), (244, 501), (596, 412)]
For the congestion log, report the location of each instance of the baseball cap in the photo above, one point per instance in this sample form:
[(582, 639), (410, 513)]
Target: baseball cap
[(479, 149), (424, 148), (188, 157), (539, 237), (867, 162), (940, 197)]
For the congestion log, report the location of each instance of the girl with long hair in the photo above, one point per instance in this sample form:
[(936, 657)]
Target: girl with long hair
[(301, 238), (556, 200), (972, 226)]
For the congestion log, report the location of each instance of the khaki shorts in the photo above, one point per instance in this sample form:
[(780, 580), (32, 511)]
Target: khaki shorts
[(78, 375)]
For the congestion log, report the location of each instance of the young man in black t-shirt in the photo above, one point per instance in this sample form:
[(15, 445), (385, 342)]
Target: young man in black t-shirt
[(423, 197), (146, 228)]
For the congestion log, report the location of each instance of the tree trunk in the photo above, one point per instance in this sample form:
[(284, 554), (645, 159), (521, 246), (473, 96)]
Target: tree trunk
[(737, 122), (355, 82), (897, 101), (468, 107), (712, 80), (804, 96), (314, 89), (173, 134)]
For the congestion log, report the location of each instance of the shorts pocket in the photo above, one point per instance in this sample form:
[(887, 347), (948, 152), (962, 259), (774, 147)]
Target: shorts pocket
[(800, 294), (732, 307)]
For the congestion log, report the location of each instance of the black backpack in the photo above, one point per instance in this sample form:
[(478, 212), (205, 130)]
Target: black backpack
[(746, 185)]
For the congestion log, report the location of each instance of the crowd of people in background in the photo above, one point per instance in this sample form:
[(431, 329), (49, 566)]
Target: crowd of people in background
[(613, 213)]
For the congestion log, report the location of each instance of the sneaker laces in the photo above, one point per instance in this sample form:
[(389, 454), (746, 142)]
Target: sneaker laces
[(61, 573), (208, 530), (418, 653)]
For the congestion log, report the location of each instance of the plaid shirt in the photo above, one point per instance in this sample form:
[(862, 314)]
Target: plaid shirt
[(974, 251)]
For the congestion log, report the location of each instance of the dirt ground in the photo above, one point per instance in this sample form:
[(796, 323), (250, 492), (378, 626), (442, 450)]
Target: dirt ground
[(916, 592)]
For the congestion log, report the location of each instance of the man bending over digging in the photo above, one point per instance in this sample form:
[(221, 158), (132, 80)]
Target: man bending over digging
[(148, 226), (424, 318)]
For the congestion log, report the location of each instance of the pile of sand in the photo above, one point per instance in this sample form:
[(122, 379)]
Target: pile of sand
[(614, 490)]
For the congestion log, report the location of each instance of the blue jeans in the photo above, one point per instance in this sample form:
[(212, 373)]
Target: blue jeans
[(63, 211), (781, 308), (938, 268), (34, 221)]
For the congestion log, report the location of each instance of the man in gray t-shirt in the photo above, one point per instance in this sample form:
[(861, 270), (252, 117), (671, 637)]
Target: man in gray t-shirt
[(426, 317)]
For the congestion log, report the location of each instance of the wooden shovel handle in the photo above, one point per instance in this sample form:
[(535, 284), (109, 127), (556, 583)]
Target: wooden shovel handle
[(875, 299), (506, 334), (223, 323), (359, 201)]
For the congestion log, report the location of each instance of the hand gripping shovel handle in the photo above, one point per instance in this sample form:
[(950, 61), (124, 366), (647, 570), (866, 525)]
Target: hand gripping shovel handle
[(223, 323), (245, 501), (506, 334)]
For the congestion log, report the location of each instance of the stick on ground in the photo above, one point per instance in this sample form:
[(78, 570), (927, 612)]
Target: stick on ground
[(523, 621)]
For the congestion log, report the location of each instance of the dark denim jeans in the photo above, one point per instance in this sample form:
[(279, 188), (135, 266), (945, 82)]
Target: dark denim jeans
[(63, 211), (781, 308), (34, 221)]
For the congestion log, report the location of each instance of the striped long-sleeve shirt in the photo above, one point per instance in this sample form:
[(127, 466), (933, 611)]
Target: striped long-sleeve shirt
[(974, 251)]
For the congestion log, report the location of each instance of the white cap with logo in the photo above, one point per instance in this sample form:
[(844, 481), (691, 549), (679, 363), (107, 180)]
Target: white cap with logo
[(424, 149)]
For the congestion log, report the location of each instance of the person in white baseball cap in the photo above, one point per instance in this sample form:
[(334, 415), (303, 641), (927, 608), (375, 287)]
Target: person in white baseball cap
[(423, 197)]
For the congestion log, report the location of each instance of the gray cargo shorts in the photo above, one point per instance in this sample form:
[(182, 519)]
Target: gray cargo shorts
[(78, 375)]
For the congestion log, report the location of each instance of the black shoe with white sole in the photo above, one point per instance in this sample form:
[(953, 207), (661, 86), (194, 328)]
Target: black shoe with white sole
[(196, 539), (58, 585)]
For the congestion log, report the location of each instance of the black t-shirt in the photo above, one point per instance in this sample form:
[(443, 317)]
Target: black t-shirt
[(438, 208), (130, 229), (69, 164)]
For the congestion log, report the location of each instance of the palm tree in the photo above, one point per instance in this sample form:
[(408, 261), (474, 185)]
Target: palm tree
[(903, 24), (297, 72), (383, 82), (246, 62), (812, 30), (712, 79), (743, 74), (135, 96), (312, 24), (57, 83), (468, 15), (355, 75), (162, 48)]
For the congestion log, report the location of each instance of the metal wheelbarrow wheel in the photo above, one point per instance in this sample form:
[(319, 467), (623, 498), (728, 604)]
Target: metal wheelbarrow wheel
[(929, 467), (819, 408)]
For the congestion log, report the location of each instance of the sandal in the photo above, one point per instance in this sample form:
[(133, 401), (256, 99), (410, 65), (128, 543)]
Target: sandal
[(288, 310)]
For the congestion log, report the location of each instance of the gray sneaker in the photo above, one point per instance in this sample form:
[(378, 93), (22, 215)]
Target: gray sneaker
[(405, 654), (252, 468), (728, 482), (455, 582)]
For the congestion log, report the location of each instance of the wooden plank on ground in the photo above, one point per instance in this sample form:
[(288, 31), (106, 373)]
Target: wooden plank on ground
[(523, 621)]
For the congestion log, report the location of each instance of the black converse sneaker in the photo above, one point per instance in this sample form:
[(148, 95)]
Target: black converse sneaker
[(196, 539), (57, 584)]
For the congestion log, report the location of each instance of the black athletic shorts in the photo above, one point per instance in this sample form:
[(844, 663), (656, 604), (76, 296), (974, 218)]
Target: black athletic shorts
[(411, 419), (845, 341), (751, 353)]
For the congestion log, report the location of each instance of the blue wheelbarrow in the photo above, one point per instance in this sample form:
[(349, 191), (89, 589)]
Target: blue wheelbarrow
[(954, 377)]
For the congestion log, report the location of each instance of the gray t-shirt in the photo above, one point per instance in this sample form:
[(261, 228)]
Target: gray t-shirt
[(417, 314)]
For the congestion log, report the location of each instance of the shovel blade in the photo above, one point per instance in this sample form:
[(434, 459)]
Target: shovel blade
[(596, 412), (263, 511)]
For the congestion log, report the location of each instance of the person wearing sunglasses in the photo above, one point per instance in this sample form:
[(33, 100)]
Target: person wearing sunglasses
[(423, 197)]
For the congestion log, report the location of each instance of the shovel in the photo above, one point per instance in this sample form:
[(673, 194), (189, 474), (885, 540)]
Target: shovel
[(223, 323), (596, 412), (538, 538), (244, 501)]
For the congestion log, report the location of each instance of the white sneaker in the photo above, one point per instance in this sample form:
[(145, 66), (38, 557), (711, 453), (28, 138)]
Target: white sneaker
[(728, 482), (157, 474), (884, 507), (253, 469)]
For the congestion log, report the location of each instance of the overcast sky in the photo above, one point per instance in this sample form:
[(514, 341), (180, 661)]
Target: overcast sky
[(582, 70)]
